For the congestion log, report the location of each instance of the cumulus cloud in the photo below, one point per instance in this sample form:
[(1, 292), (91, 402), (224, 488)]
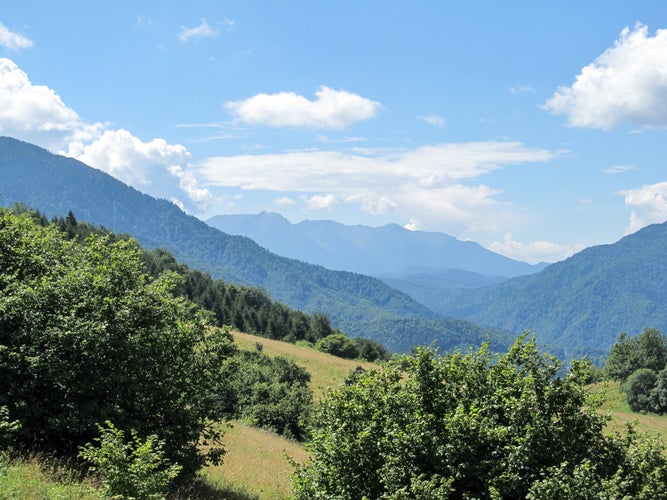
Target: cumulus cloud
[(13, 41), (188, 183), (534, 251), (333, 109), (626, 83), (127, 157), (35, 113), (318, 202), (284, 201), (648, 204), (203, 30)]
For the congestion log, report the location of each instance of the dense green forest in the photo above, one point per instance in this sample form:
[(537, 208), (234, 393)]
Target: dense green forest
[(247, 309)]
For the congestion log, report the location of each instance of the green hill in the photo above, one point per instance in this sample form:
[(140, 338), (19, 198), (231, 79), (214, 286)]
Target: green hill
[(357, 304), (580, 305)]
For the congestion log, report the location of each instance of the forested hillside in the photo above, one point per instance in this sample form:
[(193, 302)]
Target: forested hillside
[(581, 305), (354, 303)]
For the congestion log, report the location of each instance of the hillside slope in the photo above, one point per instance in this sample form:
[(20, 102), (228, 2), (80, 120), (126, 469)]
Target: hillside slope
[(54, 185), (580, 305)]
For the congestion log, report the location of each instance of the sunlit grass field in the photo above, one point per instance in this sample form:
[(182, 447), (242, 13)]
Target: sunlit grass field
[(620, 412)]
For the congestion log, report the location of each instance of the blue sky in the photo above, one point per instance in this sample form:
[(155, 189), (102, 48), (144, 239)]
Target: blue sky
[(533, 128)]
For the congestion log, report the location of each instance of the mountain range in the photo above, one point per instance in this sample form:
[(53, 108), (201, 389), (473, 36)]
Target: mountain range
[(580, 305), (575, 307), (358, 304), (389, 250)]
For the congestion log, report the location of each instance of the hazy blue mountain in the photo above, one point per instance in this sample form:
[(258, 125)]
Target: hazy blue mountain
[(429, 286), (582, 304), (378, 251), (357, 304)]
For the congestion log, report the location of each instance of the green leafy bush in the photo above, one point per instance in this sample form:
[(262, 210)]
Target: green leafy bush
[(271, 393), (472, 425), (87, 337), (134, 469), (638, 389), (7, 429), (338, 344)]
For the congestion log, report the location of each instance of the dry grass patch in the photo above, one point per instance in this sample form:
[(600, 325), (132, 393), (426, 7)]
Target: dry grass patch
[(325, 370), (621, 413), (256, 462)]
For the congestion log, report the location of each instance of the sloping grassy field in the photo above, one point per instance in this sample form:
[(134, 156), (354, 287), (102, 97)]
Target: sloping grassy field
[(620, 412), (256, 463)]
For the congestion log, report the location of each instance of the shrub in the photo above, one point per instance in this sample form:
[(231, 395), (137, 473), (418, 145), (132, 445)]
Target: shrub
[(87, 337), (338, 344), (135, 469), (638, 389), (473, 425)]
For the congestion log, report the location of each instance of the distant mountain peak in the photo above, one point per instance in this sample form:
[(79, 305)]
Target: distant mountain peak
[(376, 251)]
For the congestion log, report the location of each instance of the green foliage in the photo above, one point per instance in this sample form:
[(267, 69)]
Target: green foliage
[(370, 350), (658, 395), (339, 345), (7, 429), (639, 364), (640, 474), (270, 392), (629, 354), (135, 469), (638, 389), (470, 425), (86, 336)]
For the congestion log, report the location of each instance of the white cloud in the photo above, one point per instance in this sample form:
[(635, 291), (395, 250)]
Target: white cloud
[(318, 202), (13, 41), (413, 225), (360, 171), (428, 180), (648, 203), (627, 83), (203, 30), (188, 183), (535, 251), (128, 158), (284, 201), (372, 203), (435, 120), (334, 109), (619, 169), (35, 113)]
